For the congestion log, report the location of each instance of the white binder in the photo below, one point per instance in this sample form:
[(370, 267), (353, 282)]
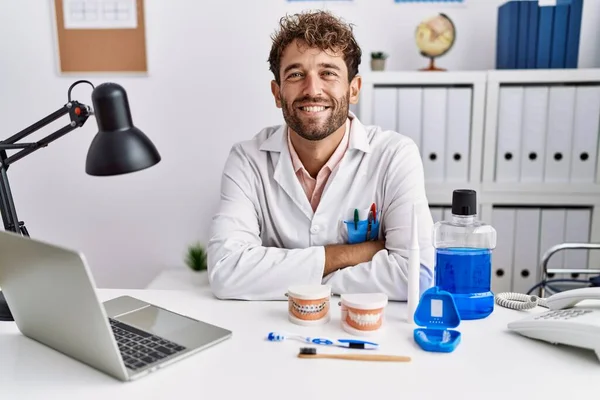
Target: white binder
[(510, 108), (533, 133), (526, 272), (458, 134), (577, 230), (585, 134), (561, 106), (503, 220), (552, 232), (385, 100), (410, 104), (434, 133)]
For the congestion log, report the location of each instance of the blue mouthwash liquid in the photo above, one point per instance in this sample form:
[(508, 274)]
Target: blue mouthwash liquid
[(466, 273), (463, 257)]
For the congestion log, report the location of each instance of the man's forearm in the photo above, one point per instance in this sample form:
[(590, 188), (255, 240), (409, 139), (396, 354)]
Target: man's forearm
[(343, 255)]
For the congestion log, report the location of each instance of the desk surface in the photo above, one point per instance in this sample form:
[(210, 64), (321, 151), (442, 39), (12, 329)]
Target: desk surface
[(490, 361)]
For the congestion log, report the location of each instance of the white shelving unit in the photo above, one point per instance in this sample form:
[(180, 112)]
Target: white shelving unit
[(563, 174)]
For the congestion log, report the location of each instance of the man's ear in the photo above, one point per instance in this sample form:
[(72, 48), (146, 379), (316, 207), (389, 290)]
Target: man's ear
[(355, 86), (276, 93)]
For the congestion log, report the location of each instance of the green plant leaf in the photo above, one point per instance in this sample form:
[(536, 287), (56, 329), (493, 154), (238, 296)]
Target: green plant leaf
[(196, 257)]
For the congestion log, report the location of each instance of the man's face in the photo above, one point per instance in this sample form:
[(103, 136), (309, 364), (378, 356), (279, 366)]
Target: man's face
[(314, 93)]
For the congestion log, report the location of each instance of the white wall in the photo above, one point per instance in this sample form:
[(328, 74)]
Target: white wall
[(208, 87)]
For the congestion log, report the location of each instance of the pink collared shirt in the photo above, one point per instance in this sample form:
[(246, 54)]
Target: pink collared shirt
[(314, 187)]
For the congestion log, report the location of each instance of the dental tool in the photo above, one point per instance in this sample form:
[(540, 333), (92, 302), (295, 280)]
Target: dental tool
[(347, 343), (413, 270)]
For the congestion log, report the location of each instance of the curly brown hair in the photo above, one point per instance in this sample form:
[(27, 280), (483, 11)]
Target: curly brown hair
[(319, 29)]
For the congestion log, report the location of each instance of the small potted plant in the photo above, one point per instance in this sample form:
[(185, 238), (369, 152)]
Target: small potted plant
[(378, 60), (196, 257)]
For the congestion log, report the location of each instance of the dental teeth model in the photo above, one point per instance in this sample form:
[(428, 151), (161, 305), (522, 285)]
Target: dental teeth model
[(309, 304), (363, 313)]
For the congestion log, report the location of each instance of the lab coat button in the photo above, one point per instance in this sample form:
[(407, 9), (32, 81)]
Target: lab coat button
[(315, 229)]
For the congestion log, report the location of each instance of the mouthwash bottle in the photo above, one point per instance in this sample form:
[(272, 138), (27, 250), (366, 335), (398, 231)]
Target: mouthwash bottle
[(463, 257)]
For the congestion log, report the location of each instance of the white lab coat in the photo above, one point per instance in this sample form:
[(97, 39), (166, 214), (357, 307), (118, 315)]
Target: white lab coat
[(265, 236)]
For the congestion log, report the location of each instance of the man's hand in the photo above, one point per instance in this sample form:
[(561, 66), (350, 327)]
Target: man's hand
[(339, 256)]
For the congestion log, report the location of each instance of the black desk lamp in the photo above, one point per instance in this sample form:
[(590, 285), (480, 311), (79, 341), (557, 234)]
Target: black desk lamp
[(118, 148)]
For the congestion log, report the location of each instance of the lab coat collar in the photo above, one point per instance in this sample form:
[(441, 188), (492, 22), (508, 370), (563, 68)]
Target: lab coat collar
[(284, 173), (358, 137)]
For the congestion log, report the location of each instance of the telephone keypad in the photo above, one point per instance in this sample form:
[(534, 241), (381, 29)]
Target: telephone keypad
[(563, 314)]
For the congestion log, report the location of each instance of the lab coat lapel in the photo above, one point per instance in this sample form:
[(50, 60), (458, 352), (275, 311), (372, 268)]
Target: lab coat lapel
[(284, 173)]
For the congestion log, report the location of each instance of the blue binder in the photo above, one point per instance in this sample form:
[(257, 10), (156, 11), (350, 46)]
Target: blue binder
[(522, 42), (544, 45), (559, 35), (507, 35), (573, 32), (532, 34)]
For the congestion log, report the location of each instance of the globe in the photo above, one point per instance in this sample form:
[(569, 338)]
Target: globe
[(434, 37)]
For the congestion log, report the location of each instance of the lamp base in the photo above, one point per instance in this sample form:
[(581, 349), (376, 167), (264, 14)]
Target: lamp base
[(5, 314)]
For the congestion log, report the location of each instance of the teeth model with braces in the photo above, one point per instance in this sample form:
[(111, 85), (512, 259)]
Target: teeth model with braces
[(308, 308)]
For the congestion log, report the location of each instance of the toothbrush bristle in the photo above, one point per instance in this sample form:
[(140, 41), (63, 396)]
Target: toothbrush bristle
[(275, 337)]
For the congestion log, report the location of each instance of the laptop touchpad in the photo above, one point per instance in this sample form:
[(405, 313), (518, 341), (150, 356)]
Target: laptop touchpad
[(157, 321)]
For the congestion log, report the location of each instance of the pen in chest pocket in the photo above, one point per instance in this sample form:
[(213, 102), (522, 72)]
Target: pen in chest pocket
[(369, 222), (356, 218)]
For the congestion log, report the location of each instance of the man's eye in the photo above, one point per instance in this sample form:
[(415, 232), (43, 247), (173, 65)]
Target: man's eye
[(294, 75), (329, 73)]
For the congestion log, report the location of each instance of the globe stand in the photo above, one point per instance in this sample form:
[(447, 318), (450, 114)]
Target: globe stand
[(432, 66)]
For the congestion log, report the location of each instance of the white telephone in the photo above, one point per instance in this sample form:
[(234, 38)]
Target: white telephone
[(564, 323)]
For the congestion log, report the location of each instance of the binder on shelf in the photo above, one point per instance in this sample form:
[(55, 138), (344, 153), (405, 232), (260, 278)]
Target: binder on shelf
[(561, 106), (384, 107), (586, 125), (532, 33), (533, 135), (503, 220), (559, 35), (577, 230), (573, 33), (507, 35), (526, 271), (434, 132), (458, 134), (522, 35), (545, 27), (508, 150), (552, 232), (410, 109)]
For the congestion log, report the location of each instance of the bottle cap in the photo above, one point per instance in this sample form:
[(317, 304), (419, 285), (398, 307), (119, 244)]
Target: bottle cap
[(464, 202)]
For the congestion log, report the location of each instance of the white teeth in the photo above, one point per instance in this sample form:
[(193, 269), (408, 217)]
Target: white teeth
[(314, 108), (308, 309), (364, 319)]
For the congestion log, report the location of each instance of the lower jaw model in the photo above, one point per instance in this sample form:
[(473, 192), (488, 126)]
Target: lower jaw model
[(364, 321)]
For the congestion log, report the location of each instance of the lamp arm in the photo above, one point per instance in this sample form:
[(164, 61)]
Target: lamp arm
[(79, 113)]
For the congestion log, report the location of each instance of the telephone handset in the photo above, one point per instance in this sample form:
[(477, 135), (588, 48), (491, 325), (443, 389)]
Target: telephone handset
[(563, 323), (558, 301)]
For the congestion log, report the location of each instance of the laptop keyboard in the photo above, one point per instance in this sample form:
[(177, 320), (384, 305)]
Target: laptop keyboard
[(139, 348)]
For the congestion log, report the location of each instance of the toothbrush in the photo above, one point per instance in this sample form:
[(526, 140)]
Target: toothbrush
[(413, 270), (348, 343)]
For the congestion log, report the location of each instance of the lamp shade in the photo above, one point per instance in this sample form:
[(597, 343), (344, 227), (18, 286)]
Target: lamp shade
[(118, 147)]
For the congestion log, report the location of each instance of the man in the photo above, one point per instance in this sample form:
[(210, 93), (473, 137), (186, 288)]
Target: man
[(290, 194)]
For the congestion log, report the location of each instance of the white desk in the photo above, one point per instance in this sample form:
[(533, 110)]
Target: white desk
[(489, 362)]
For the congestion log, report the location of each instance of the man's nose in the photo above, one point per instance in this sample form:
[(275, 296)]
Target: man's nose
[(312, 86)]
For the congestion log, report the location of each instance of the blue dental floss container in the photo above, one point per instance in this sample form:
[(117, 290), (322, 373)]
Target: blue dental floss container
[(437, 312)]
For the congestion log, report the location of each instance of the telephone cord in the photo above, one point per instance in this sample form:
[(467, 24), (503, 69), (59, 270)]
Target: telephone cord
[(519, 301)]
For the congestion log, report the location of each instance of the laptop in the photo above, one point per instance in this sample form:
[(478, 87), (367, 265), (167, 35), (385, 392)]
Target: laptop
[(51, 294)]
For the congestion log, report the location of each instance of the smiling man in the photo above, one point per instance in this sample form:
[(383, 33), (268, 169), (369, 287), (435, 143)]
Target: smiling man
[(322, 198)]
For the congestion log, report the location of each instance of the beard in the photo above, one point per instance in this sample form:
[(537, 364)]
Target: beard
[(316, 128)]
